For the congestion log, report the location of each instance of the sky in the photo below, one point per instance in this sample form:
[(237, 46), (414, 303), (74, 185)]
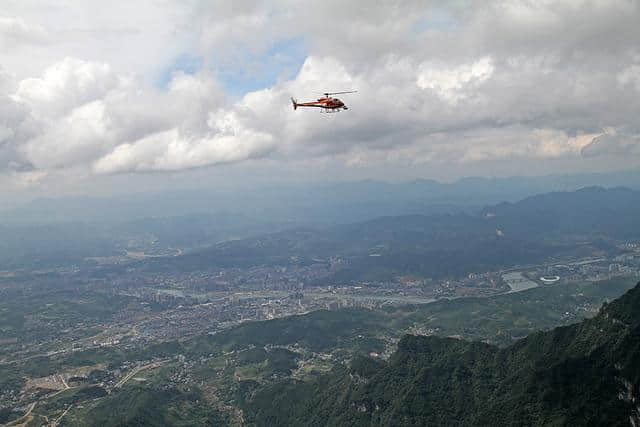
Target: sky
[(105, 97)]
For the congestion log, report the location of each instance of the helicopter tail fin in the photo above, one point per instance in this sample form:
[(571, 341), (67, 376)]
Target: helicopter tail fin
[(295, 103)]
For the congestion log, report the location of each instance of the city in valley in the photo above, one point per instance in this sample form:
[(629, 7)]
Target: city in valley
[(67, 311)]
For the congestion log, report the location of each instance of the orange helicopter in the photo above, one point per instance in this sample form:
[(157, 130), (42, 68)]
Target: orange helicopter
[(328, 103)]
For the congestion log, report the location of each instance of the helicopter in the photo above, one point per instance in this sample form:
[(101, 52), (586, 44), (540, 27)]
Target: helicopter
[(327, 103)]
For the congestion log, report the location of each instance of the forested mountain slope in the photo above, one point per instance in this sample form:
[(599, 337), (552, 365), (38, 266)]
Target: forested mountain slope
[(583, 374)]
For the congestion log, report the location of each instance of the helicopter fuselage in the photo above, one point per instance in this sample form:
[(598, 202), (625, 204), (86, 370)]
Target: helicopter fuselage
[(328, 103)]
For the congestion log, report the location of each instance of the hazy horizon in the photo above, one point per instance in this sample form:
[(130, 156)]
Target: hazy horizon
[(555, 182)]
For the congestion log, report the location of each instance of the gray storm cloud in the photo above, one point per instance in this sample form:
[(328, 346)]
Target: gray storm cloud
[(439, 82)]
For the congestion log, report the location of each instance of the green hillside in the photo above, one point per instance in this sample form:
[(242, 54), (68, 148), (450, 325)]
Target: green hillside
[(583, 374)]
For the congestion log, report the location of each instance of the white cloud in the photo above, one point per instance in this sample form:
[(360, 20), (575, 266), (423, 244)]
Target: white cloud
[(630, 76), (66, 85), (226, 142), (453, 84), (15, 32), (72, 140)]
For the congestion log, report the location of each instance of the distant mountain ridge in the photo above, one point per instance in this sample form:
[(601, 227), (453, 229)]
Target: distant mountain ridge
[(312, 203), (434, 245), (584, 374), (500, 236), (613, 211)]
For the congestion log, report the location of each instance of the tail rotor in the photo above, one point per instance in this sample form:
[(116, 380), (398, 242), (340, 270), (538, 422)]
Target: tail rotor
[(295, 103)]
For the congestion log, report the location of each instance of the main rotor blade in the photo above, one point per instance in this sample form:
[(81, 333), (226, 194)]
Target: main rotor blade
[(338, 93)]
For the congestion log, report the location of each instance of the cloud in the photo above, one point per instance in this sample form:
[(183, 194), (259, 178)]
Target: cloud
[(15, 32), (15, 127), (630, 76), (65, 85), (88, 116), (451, 83), (226, 142), (440, 83), (612, 145)]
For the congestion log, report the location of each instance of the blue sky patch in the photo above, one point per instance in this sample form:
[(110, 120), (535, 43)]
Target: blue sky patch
[(281, 62), (188, 64)]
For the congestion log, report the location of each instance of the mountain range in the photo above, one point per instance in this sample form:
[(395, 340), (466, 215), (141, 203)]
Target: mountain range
[(533, 230)]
